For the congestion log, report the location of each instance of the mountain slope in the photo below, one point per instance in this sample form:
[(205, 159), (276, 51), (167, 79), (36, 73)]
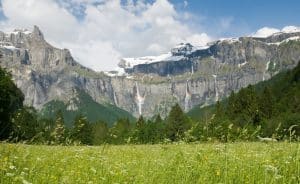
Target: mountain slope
[(187, 75), (82, 103), (273, 104)]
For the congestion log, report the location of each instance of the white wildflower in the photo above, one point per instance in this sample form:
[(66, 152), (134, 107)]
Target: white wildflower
[(12, 167), (10, 174), (25, 182)]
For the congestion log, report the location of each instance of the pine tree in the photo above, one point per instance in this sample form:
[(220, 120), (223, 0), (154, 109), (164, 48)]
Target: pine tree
[(11, 99), (177, 124), (58, 134), (140, 131), (157, 129), (100, 132), (119, 133), (82, 130), (231, 109), (267, 103), (25, 124), (140, 122)]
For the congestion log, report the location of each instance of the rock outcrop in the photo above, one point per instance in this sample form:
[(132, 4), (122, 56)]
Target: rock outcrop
[(187, 75)]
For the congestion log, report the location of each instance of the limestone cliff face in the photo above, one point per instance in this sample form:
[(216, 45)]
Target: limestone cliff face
[(46, 73), (197, 76)]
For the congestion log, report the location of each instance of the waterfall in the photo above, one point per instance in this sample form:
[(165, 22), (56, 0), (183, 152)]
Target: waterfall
[(115, 99), (192, 69), (216, 88), (139, 99), (266, 69), (187, 98)]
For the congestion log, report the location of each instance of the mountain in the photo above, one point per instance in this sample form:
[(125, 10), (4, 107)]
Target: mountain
[(82, 103), (51, 80), (276, 105), (187, 75)]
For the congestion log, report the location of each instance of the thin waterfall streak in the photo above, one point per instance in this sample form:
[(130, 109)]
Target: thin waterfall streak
[(216, 88), (187, 98), (139, 99)]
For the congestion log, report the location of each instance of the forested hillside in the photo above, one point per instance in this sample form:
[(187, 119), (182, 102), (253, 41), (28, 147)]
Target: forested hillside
[(271, 107)]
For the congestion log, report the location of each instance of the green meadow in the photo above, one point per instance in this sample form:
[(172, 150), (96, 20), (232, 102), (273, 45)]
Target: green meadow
[(241, 162)]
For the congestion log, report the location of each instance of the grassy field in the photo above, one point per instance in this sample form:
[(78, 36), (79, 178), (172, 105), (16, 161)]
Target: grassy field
[(181, 163)]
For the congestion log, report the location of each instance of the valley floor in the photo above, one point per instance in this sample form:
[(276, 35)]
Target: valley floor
[(181, 163)]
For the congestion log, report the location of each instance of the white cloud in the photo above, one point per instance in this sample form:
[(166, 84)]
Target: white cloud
[(265, 32), (96, 55), (55, 21), (109, 29)]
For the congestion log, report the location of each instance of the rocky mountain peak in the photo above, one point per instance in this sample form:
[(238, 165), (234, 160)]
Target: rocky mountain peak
[(188, 75), (182, 49), (37, 33)]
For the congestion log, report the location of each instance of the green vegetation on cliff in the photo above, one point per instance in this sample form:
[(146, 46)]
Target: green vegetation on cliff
[(83, 104), (272, 108)]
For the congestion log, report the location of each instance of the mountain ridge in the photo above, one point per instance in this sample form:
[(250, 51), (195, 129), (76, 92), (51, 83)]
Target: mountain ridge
[(45, 73)]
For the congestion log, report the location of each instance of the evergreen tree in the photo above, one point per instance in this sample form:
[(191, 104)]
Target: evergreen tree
[(140, 122), (82, 130), (243, 107), (267, 102), (120, 132), (11, 99), (139, 134), (25, 124), (231, 106), (156, 129), (177, 124), (45, 130), (59, 131), (100, 132)]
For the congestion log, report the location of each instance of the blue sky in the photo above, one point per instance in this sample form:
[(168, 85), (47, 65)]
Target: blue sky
[(245, 15), (242, 16), (114, 29)]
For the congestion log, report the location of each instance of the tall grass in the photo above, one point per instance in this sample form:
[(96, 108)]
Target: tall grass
[(175, 163)]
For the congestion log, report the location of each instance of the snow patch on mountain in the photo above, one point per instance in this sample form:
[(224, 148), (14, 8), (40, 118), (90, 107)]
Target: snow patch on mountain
[(7, 45), (286, 40), (179, 52), (267, 31), (290, 29), (229, 40), (17, 31)]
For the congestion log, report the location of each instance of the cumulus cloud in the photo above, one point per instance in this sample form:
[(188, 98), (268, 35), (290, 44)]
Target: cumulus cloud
[(100, 32), (54, 20)]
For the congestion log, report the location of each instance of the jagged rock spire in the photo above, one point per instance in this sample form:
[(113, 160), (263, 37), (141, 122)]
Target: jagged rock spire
[(37, 33)]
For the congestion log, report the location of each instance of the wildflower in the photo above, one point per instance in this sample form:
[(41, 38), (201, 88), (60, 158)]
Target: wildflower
[(10, 174), (271, 168), (93, 170), (25, 182), (12, 167)]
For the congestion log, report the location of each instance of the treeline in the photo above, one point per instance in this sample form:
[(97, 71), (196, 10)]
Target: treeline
[(22, 124), (28, 128), (269, 109)]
